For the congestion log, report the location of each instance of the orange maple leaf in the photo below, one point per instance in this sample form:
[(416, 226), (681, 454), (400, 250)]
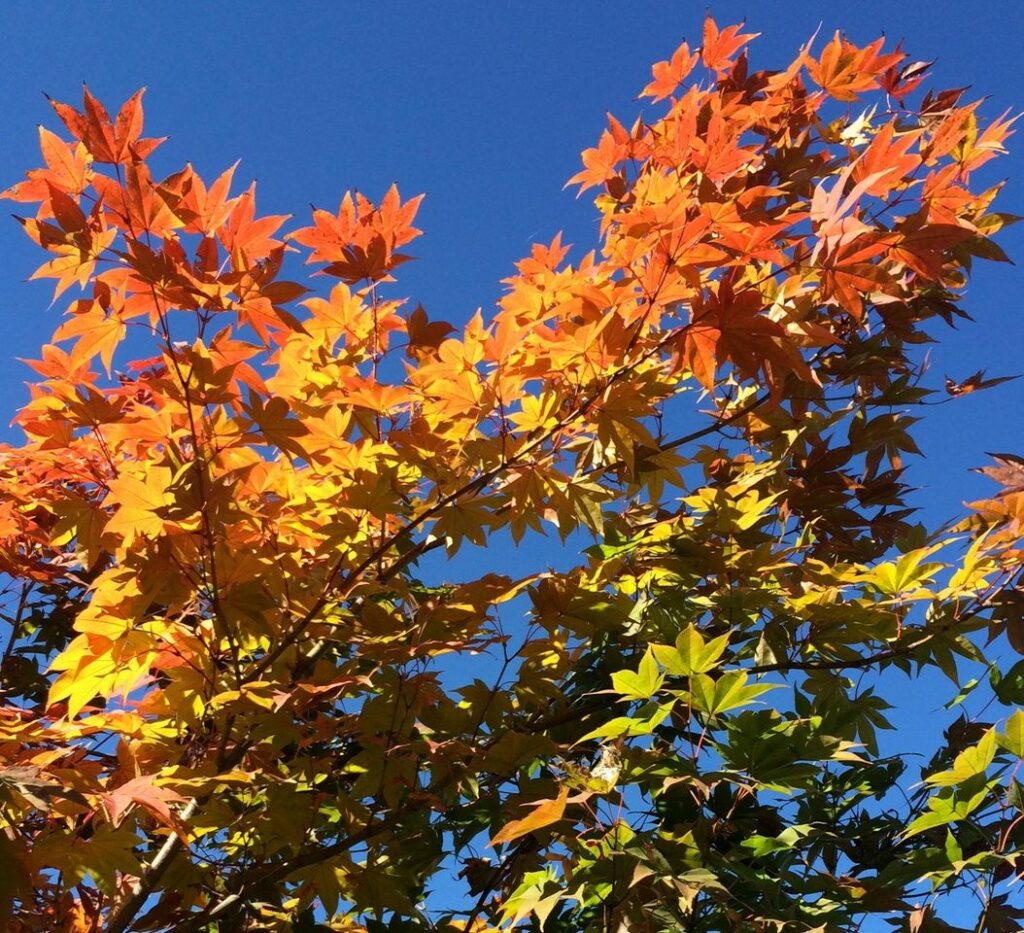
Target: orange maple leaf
[(720, 46), (668, 75), (144, 792), (545, 813), (846, 71), (359, 241), (108, 141)]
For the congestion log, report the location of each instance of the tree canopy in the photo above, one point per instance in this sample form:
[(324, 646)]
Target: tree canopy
[(249, 682)]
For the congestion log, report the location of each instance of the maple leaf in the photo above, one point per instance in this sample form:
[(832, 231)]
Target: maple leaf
[(67, 170), (359, 241), (901, 82), (376, 396), (96, 333), (345, 315), (974, 383), (718, 154), (601, 163), (75, 256), (720, 46), (977, 149), (925, 246), (668, 75), (846, 71), (833, 211), (108, 141), (202, 211), (248, 238), (38, 788), (1008, 472), (275, 424), (425, 336), (888, 160), (545, 813), (468, 520), (140, 505), (727, 326), (143, 791)]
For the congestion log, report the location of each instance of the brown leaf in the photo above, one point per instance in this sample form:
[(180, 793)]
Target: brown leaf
[(1009, 473), (38, 789), (975, 382)]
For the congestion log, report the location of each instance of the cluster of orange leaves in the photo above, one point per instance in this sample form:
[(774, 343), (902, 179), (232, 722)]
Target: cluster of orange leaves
[(270, 459)]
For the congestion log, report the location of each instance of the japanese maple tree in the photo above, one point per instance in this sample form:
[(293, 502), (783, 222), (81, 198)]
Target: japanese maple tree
[(230, 690)]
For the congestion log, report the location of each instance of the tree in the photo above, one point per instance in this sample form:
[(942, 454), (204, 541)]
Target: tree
[(233, 696)]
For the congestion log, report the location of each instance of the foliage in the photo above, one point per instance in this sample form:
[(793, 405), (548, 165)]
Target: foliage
[(241, 691)]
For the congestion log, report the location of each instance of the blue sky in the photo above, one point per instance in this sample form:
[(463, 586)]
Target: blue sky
[(484, 106)]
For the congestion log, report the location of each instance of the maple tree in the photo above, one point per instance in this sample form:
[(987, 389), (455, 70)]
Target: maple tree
[(231, 696)]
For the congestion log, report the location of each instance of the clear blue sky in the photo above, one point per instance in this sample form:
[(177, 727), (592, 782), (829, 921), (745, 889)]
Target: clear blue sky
[(485, 106)]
